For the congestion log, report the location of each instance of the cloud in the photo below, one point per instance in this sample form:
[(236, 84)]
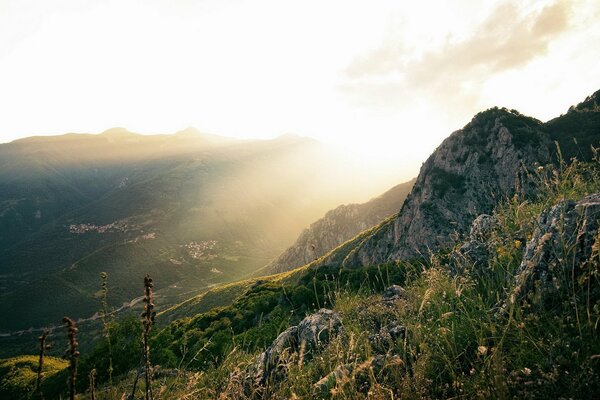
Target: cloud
[(506, 40)]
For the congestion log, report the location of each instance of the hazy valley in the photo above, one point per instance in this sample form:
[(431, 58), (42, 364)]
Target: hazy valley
[(191, 209)]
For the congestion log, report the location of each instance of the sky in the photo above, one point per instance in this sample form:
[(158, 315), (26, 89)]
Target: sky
[(385, 80)]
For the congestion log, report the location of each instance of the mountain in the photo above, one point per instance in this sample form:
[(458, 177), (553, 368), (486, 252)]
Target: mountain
[(473, 169), (337, 226), (191, 209), (492, 158), (577, 130), (484, 285), (540, 252)]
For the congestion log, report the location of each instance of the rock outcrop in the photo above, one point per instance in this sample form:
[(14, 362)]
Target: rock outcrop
[(296, 343), (466, 176), (474, 252), (338, 226), (565, 241)]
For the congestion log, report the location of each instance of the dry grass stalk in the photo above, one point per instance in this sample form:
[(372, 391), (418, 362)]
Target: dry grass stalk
[(43, 348), (148, 320), (72, 354)]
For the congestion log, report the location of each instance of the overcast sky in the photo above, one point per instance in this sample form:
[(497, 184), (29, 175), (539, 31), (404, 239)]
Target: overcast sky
[(389, 79)]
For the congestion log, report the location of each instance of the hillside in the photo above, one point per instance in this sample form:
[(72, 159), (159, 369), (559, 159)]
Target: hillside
[(75, 205), (502, 327), (338, 226), (484, 285)]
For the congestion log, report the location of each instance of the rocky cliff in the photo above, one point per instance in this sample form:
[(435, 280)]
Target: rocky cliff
[(338, 226), (487, 160)]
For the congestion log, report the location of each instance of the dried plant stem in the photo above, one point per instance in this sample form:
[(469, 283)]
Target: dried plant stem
[(93, 384), (137, 378), (148, 320), (72, 354), (43, 347), (106, 324)]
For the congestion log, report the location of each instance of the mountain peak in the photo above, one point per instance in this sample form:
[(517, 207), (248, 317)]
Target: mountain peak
[(496, 112), (117, 132), (190, 131), (591, 103)]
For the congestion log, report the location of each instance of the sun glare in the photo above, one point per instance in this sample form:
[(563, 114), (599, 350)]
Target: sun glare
[(341, 72)]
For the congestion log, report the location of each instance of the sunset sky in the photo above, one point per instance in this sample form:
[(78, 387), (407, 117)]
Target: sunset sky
[(388, 79)]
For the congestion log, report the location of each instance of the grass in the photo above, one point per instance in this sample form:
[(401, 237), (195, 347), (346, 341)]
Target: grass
[(459, 340), (457, 343), (19, 375)]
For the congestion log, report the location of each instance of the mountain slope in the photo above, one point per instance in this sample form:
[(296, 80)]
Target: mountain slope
[(191, 209), (338, 226)]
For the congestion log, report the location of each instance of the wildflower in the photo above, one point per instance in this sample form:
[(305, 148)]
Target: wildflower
[(518, 244), (526, 371), (482, 350), (501, 251)]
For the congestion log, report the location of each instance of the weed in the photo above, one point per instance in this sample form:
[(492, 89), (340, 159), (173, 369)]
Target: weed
[(72, 354)]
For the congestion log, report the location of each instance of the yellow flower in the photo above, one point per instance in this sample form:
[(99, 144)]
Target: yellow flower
[(518, 244), (502, 252)]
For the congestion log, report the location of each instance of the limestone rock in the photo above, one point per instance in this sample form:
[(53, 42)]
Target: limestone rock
[(475, 250), (561, 245), (298, 342), (394, 292), (384, 340)]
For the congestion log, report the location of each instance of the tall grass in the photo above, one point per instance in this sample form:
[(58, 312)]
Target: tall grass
[(456, 342)]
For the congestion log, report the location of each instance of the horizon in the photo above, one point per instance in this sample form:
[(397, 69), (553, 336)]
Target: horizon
[(385, 81)]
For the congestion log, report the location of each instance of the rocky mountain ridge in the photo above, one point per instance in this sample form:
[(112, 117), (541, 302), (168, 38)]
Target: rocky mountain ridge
[(493, 157), (338, 226)]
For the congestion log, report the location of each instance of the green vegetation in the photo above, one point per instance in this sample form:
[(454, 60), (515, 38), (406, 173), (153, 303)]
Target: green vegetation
[(443, 181), (18, 376), (460, 337), (576, 133), (458, 341), (462, 327)]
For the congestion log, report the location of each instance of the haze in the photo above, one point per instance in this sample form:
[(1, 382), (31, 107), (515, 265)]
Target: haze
[(387, 80)]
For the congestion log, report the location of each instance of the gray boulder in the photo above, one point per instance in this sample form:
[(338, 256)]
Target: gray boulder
[(296, 343), (384, 340), (474, 252), (394, 292), (561, 245)]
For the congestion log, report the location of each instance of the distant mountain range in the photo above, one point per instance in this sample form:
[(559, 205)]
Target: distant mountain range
[(191, 209)]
